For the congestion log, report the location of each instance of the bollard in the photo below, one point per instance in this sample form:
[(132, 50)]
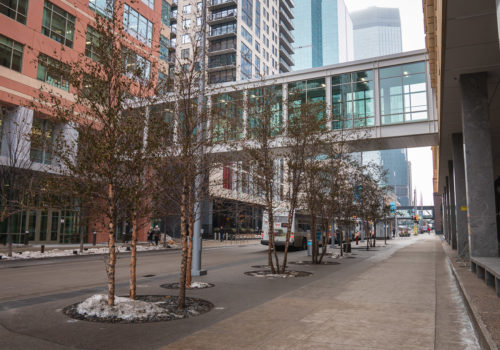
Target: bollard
[(94, 238), (26, 238), (309, 248), (42, 248)]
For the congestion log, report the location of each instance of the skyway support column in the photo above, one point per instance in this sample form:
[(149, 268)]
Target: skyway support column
[(460, 195), (451, 197), (478, 166)]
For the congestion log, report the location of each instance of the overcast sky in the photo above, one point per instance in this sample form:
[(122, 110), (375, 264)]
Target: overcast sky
[(412, 27)]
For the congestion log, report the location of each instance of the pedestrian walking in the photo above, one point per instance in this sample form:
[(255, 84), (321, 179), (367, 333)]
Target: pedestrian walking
[(428, 230), (221, 234), (150, 236), (393, 233), (156, 233)]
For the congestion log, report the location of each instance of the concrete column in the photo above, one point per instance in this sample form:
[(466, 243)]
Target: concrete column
[(460, 195), (445, 215), (478, 161), (451, 203)]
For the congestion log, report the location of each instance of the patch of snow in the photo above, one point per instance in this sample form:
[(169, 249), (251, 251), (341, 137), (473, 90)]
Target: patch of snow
[(200, 285), (124, 308), (51, 253)]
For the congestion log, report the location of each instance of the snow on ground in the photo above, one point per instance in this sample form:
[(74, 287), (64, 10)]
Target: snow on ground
[(51, 253), (124, 308), (200, 285)]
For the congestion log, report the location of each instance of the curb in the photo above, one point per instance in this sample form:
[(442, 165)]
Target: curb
[(484, 337)]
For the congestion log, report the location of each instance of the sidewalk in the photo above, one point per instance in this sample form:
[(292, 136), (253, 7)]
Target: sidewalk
[(394, 304), (481, 299)]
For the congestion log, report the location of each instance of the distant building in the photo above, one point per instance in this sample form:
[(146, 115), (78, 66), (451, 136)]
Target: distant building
[(323, 33), (395, 161), (377, 32)]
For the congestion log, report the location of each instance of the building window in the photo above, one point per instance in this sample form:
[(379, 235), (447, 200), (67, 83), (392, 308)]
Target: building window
[(136, 66), (15, 9), (227, 178), (42, 140), (224, 28), (222, 44), (186, 9), (11, 54), (352, 100), (164, 44), (92, 43), (246, 62), (186, 39), (222, 76), (403, 94), (138, 26), (246, 14), (186, 23), (58, 24), (257, 67), (150, 3), (185, 53), (102, 7), (52, 72), (198, 21), (222, 60), (246, 35), (227, 111), (166, 13), (257, 18), (305, 91)]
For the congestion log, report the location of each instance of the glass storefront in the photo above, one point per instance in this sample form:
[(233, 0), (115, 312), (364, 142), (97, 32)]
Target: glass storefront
[(227, 114)]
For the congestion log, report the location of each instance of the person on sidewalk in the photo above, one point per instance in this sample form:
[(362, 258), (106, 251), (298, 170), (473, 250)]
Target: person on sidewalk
[(393, 233), (150, 236), (156, 232), (221, 234)]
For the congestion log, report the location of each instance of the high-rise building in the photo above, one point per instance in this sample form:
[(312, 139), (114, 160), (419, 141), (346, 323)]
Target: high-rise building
[(245, 38), (323, 33), (377, 32)]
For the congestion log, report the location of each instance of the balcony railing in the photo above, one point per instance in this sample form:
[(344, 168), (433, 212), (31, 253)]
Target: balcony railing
[(216, 32), (285, 67), (222, 3), (286, 32), (286, 43), (285, 6), (224, 16), (286, 19), (286, 56)]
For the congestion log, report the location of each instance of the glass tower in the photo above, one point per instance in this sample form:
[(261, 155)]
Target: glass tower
[(323, 33)]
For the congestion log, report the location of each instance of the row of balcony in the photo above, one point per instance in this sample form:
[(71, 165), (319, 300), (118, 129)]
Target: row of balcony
[(286, 56), (215, 4), (286, 44), (219, 33), (284, 67), (286, 32), (223, 16), (287, 6), (286, 19)]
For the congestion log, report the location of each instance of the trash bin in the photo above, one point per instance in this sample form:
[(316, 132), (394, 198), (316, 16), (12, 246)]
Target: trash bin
[(309, 248), (346, 247)]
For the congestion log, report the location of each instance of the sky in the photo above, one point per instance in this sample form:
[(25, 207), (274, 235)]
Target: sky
[(412, 27)]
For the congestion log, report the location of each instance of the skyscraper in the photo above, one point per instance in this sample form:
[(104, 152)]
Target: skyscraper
[(323, 33), (245, 38), (377, 32)]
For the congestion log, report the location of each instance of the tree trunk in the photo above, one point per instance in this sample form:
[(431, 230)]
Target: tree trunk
[(368, 238), (9, 236), (271, 248), (112, 249), (374, 233), (189, 259), (287, 243), (133, 259), (341, 239), (325, 242), (182, 279), (314, 240)]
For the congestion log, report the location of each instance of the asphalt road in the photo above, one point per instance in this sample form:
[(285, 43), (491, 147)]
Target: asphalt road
[(33, 293)]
